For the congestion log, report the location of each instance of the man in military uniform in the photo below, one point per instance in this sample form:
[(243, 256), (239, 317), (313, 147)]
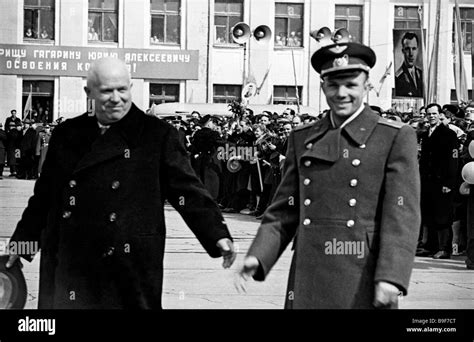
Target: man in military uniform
[(409, 77), (349, 195), (98, 206)]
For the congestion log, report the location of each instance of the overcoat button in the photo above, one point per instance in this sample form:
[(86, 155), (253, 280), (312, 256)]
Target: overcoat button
[(306, 222), (307, 202), (356, 162), (354, 183), (350, 223), (72, 183), (307, 181), (66, 214), (308, 146), (352, 202), (109, 252), (115, 185), (112, 217), (307, 163)]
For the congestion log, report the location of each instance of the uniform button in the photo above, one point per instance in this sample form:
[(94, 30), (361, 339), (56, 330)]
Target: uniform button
[(362, 146), (354, 183), (350, 223), (307, 163), (66, 214), (72, 183), (112, 217), (352, 202), (109, 252), (308, 146), (307, 181), (115, 185), (356, 162), (307, 202), (306, 222)]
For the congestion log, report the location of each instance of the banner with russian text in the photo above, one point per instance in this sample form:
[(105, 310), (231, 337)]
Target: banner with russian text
[(18, 59)]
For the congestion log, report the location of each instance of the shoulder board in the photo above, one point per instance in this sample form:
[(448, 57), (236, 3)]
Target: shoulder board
[(391, 123), (300, 128), (399, 72)]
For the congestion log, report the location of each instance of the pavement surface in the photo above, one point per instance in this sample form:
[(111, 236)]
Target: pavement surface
[(193, 280)]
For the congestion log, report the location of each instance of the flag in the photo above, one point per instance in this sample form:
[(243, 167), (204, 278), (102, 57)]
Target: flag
[(432, 83), (424, 54), (458, 59), (28, 106)]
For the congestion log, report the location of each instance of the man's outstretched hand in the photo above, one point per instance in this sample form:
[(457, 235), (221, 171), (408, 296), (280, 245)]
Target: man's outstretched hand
[(227, 251), (11, 260), (248, 269)]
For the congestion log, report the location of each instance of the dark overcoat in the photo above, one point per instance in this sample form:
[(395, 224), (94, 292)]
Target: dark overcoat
[(438, 167), (355, 187), (97, 211), (14, 138), (3, 143), (207, 165)]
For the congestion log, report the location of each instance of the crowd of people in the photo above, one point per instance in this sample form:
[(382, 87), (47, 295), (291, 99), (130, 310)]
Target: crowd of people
[(245, 183), (23, 146)]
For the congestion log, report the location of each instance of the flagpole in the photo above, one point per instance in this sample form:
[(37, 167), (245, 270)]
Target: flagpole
[(296, 83)]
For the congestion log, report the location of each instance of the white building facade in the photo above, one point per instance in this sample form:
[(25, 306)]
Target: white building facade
[(182, 50)]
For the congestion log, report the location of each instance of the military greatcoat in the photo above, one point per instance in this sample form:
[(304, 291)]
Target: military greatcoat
[(351, 199)]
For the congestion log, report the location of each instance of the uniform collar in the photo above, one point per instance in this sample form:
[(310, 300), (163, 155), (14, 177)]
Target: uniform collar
[(348, 120), (323, 141)]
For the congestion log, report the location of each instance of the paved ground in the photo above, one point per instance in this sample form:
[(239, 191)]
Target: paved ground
[(193, 280)]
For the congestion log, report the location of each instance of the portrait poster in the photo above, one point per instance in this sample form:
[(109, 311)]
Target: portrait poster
[(408, 62)]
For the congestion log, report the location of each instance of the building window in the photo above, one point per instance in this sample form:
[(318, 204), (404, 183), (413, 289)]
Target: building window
[(350, 18), (162, 93), (467, 24), (407, 18), (103, 20), (165, 22), (286, 95), (454, 99), (227, 14), (39, 19), (288, 25), (226, 93), (42, 99)]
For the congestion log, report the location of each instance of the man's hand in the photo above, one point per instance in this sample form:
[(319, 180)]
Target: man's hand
[(445, 190), (11, 260), (246, 272), (227, 251), (386, 295)]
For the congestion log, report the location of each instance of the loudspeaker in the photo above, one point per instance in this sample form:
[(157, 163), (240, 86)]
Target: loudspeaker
[(262, 33), (240, 33)]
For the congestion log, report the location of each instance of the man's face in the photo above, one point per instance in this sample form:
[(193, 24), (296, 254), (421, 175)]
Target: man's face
[(287, 129), (264, 120), (345, 94), (423, 112), (433, 116), (111, 93), (14, 113), (410, 51)]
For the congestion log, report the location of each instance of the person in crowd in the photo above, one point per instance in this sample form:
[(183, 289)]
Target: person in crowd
[(439, 171)]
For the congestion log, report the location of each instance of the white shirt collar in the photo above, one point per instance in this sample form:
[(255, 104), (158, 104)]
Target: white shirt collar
[(349, 119)]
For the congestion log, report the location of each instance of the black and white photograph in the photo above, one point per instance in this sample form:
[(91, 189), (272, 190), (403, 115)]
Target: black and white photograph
[(231, 159)]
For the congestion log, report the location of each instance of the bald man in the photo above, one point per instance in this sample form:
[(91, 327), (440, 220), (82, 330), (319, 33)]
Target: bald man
[(97, 209)]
